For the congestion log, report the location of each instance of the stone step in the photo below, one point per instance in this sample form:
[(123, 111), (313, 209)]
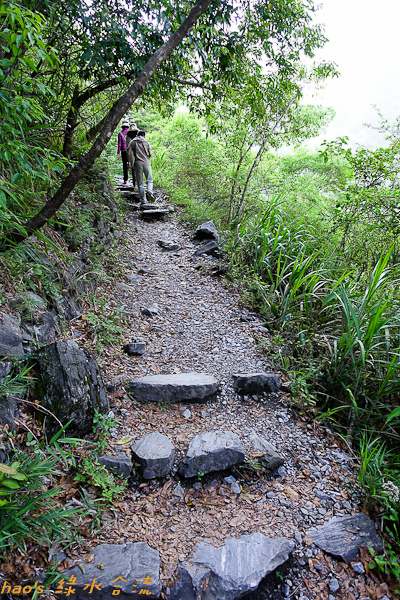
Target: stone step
[(232, 570), (155, 213), (173, 388), (131, 568), (212, 451)]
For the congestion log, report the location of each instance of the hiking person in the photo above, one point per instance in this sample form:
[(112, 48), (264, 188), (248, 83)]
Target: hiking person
[(141, 150), (122, 148), (131, 134)]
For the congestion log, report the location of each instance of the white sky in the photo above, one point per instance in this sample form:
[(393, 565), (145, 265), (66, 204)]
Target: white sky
[(364, 42)]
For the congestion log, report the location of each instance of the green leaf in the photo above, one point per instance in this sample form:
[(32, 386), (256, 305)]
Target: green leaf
[(10, 483)]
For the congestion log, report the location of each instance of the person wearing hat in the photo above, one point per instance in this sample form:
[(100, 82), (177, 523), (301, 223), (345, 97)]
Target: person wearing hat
[(141, 150), (131, 134), (122, 148)]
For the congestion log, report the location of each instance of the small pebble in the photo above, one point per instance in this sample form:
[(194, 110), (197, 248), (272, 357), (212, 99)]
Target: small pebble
[(298, 536), (358, 567), (271, 494), (230, 479), (334, 585), (235, 488)]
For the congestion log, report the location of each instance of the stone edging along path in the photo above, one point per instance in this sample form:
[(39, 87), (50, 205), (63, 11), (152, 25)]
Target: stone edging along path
[(217, 534)]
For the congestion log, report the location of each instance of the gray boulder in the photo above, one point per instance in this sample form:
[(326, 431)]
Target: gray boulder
[(10, 337), (127, 568), (343, 536), (256, 383), (173, 388), (271, 459), (212, 249), (155, 454), (135, 349), (70, 386), (37, 321), (42, 328), (150, 311), (206, 231), (120, 464), (168, 246), (231, 571), (28, 303), (212, 451)]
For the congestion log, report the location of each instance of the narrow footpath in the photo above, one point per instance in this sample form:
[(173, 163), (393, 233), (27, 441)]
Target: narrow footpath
[(193, 320)]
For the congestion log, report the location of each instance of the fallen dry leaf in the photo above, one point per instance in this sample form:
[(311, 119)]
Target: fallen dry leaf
[(291, 493)]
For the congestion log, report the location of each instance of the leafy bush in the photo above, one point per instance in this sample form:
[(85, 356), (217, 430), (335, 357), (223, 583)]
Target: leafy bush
[(28, 507)]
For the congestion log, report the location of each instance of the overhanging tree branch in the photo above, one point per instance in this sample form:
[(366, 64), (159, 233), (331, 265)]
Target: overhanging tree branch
[(115, 115), (261, 151)]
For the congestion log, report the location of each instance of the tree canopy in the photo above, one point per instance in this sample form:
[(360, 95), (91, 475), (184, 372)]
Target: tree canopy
[(92, 62)]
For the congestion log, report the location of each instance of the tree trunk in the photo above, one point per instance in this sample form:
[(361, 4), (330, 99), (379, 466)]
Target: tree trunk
[(93, 131), (70, 125), (233, 188), (119, 109)]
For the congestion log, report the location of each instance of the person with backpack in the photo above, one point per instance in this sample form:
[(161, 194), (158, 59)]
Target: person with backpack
[(122, 148), (141, 150), (132, 133)]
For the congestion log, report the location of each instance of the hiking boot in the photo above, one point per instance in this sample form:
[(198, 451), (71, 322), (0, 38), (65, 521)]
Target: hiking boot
[(150, 196)]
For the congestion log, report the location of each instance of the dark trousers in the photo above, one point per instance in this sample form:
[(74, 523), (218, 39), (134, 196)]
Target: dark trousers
[(124, 156)]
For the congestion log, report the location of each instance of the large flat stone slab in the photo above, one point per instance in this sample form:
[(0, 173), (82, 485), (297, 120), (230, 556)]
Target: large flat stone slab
[(231, 571), (155, 454), (212, 451), (343, 536), (173, 388), (127, 568)]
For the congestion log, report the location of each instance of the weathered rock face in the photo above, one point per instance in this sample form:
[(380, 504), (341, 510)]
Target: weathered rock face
[(120, 464), (70, 386), (271, 458), (206, 231), (155, 454), (336, 537), (173, 388), (128, 569), (38, 323), (212, 249), (5, 369), (7, 405), (10, 337), (231, 571), (212, 451), (7, 411), (256, 383)]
